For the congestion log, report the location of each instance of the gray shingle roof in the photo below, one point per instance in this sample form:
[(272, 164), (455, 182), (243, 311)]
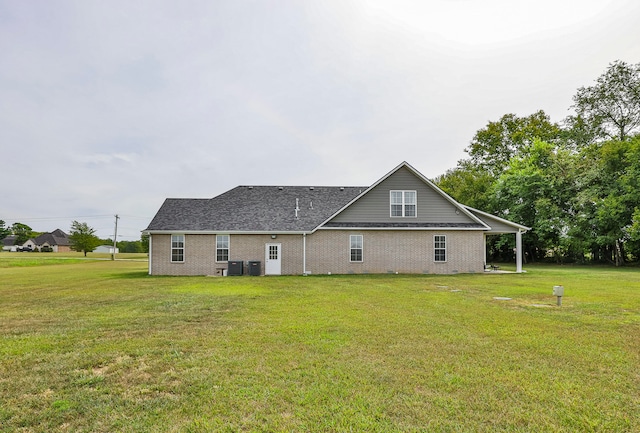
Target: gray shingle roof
[(255, 209), (9, 240), (56, 237)]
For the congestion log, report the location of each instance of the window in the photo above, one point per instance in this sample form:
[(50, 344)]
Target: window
[(222, 248), (355, 248), (440, 248), (403, 203), (177, 248)]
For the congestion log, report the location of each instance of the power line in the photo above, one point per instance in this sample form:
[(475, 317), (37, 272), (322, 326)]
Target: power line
[(60, 218)]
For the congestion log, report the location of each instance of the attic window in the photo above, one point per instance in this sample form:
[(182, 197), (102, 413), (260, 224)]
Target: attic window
[(403, 203)]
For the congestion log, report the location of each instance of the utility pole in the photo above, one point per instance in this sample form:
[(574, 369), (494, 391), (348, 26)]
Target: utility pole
[(115, 239)]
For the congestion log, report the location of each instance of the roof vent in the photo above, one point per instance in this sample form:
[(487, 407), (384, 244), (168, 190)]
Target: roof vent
[(250, 187), (342, 188), (280, 188), (311, 188)]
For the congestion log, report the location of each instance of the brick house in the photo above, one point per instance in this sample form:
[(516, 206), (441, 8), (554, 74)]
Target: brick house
[(402, 223), (57, 240)]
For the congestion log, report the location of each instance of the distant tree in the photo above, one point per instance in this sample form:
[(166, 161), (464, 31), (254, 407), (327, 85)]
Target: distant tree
[(610, 109), (130, 246), (22, 232), (4, 231), (145, 243), (83, 238)]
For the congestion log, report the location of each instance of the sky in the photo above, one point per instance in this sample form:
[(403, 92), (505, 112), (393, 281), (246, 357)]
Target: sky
[(109, 107)]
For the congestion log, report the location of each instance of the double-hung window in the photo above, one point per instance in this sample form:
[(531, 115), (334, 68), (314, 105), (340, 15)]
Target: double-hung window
[(222, 248), (440, 248), (355, 248), (403, 203), (177, 248)]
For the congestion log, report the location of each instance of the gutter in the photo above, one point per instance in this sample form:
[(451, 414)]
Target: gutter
[(304, 254)]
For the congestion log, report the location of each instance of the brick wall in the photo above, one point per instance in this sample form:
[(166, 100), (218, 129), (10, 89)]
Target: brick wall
[(328, 251), (200, 254), (399, 251)]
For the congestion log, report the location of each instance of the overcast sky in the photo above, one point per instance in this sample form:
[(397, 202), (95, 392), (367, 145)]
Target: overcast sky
[(109, 107)]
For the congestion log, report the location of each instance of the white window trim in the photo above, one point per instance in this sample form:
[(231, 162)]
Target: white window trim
[(435, 248), (361, 249), (403, 204), (228, 248), (184, 242)]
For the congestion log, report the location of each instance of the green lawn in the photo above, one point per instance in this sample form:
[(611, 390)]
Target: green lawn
[(99, 346)]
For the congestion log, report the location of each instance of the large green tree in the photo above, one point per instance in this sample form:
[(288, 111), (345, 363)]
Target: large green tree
[(535, 190), (492, 147), (468, 184), (22, 232), (577, 185), (83, 238), (610, 109), (608, 194)]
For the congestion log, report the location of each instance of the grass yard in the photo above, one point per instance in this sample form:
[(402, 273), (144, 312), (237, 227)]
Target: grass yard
[(99, 346)]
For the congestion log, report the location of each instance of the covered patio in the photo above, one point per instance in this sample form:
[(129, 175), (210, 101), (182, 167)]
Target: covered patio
[(499, 226)]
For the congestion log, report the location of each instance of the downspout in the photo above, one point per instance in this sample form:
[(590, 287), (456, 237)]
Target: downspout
[(150, 255), (304, 254)]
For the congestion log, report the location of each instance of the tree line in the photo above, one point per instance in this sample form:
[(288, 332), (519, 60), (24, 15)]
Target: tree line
[(576, 183)]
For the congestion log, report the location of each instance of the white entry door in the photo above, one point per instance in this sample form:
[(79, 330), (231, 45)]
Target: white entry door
[(273, 259)]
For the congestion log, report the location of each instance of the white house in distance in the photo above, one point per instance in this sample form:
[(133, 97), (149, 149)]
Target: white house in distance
[(402, 223), (106, 249)]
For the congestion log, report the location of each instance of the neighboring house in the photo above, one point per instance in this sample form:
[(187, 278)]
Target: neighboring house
[(30, 244), (9, 243), (403, 223), (106, 249), (57, 240)]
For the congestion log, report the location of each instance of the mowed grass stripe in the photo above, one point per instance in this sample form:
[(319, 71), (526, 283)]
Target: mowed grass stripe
[(101, 346)]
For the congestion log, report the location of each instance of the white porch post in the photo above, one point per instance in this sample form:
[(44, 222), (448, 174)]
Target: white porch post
[(519, 251), (484, 238)]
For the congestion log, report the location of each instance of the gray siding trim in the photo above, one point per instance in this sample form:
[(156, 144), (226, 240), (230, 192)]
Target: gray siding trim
[(229, 232), (403, 228), (404, 225), (499, 225)]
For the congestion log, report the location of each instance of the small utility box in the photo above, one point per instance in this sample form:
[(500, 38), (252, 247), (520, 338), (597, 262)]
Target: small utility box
[(559, 292)]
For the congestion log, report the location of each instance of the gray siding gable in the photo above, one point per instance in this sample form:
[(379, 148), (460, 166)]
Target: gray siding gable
[(434, 208)]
